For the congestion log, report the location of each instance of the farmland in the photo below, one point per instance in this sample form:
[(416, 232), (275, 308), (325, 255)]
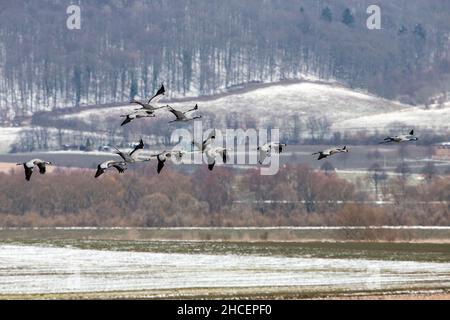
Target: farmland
[(78, 263)]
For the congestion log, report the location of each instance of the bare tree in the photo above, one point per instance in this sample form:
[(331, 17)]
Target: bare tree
[(328, 168), (429, 171), (312, 126), (376, 174)]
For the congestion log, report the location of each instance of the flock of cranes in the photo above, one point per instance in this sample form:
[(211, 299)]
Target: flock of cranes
[(148, 109)]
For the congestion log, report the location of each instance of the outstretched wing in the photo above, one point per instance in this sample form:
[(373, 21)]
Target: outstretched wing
[(224, 156), (119, 168), (211, 161), (28, 172), (193, 109), (127, 120), (177, 113), (121, 154), (139, 103), (322, 156), (411, 132), (198, 145), (99, 172), (161, 91), (210, 158), (160, 165), (147, 107), (279, 149), (387, 140), (210, 139), (139, 146), (41, 167), (262, 154)]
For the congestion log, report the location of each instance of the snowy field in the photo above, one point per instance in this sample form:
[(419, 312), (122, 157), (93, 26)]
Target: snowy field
[(32, 269)]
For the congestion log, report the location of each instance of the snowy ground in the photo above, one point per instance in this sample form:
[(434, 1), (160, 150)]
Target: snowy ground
[(433, 118), (7, 137), (306, 98), (40, 269)]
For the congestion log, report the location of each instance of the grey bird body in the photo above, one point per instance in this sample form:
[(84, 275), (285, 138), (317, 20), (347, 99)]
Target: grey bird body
[(148, 106), (401, 138), (329, 152), (137, 115), (182, 116)]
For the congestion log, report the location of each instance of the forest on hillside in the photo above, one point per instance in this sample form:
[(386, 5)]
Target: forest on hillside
[(126, 48)]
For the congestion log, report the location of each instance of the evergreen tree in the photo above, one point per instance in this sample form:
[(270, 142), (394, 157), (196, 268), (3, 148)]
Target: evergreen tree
[(402, 30), (326, 15), (89, 146), (327, 168), (347, 17), (419, 31)]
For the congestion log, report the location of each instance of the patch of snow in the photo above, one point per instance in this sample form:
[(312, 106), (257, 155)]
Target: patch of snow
[(38, 269), (414, 117), (386, 227), (8, 135)]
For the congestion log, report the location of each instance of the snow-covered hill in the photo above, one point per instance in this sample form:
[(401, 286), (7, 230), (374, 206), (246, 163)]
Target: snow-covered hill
[(414, 117), (278, 101), (345, 108)]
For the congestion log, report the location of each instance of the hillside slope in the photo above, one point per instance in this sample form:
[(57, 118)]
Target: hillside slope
[(277, 102)]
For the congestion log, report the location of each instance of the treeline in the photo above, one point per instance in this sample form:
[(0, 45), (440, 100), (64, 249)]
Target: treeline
[(297, 195), (126, 48), (48, 132)]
